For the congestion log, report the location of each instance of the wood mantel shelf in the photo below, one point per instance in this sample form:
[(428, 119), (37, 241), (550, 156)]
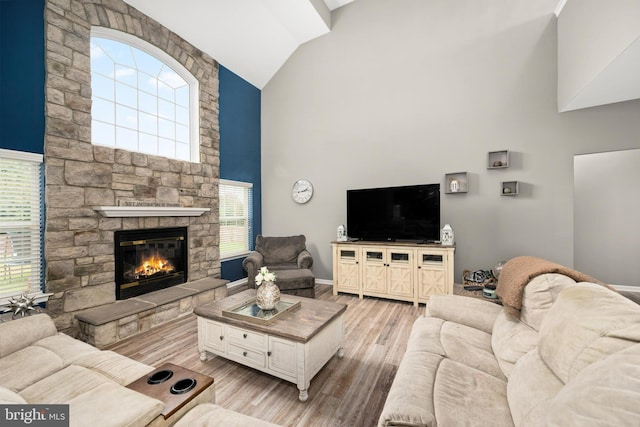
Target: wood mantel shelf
[(138, 211)]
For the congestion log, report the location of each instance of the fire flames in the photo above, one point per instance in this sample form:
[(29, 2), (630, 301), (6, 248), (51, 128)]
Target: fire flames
[(153, 265)]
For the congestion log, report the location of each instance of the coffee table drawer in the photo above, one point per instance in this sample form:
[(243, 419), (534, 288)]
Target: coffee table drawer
[(246, 356), (246, 338)]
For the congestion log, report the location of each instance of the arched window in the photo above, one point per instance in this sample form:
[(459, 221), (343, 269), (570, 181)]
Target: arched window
[(142, 99)]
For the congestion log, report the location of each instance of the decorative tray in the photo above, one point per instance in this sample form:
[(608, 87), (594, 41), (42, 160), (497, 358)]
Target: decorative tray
[(250, 312)]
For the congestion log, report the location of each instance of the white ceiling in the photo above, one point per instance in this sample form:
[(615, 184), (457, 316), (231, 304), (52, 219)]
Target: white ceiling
[(252, 38)]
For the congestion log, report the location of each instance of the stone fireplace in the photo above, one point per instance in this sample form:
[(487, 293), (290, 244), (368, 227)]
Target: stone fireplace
[(149, 260), (82, 178)]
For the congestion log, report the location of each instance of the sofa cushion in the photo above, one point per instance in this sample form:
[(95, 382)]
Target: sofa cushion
[(606, 392), (470, 347), (511, 339), (587, 323), (114, 366), (277, 250), (211, 415), (23, 332), (539, 295), (24, 367), (9, 397), (425, 336), (133, 409), (514, 337), (66, 348), (440, 356), (460, 343), (91, 394), (531, 387), (64, 385), (474, 312), (467, 396)]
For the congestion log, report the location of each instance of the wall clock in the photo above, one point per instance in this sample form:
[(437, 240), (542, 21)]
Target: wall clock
[(302, 191)]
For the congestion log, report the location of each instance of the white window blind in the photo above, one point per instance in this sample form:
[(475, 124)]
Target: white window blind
[(20, 223), (235, 217)]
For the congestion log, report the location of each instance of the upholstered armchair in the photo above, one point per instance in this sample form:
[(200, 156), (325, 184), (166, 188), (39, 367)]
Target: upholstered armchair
[(277, 253)]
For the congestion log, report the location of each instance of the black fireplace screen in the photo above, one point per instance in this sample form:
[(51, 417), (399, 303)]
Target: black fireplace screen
[(149, 260)]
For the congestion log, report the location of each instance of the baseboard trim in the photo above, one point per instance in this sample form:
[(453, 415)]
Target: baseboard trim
[(625, 288), (239, 282)]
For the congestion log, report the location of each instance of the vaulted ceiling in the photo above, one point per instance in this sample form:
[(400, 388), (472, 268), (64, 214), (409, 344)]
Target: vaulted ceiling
[(252, 38)]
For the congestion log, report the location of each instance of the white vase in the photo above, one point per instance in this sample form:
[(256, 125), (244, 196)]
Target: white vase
[(267, 295)]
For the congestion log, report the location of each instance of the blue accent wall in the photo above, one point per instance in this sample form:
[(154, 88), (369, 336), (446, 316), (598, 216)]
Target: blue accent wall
[(240, 148), (22, 99), (22, 74)]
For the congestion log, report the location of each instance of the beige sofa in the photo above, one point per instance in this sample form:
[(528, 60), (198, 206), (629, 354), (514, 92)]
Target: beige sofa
[(38, 365), (572, 358)]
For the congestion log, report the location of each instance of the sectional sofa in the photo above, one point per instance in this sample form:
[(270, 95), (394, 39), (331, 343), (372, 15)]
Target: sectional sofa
[(560, 352), (38, 365)]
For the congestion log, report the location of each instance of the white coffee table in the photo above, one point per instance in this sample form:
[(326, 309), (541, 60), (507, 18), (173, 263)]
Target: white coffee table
[(294, 347)]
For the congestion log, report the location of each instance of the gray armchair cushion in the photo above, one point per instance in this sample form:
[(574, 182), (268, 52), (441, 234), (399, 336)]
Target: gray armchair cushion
[(276, 250)]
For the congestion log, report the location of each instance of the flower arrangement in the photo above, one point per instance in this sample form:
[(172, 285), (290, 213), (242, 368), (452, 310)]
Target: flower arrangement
[(265, 275)]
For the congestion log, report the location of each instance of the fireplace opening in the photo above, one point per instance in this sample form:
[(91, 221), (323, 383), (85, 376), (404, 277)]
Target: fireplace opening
[(149, 260)]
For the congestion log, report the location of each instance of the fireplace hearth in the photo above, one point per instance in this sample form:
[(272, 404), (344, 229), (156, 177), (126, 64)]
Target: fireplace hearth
[(149, 260)]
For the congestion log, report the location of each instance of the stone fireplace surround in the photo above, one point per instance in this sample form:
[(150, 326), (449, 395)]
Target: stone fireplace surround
[(79, 177)]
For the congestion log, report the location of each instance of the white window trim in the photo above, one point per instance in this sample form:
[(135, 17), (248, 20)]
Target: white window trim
[(194, 95), (236, 183), (237, 255), (39, 297)]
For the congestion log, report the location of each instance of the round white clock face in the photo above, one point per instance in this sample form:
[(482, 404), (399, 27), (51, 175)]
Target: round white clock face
[(302, 191)]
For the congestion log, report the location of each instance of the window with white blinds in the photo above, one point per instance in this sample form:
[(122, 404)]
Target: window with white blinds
[(20, 223), (235, 217)]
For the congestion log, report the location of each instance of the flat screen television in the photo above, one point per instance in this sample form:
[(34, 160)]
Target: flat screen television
[(409, 213)]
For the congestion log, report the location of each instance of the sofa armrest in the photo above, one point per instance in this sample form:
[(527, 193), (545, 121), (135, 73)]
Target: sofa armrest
[(20, 333), (252, 264), (305, 260), (467, 311)]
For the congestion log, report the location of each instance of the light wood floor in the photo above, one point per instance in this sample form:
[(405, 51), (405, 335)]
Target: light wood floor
[(347, 392)]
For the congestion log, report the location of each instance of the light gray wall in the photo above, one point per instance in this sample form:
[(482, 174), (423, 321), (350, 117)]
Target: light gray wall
[(606, 206), (592, 35), (403, 92)]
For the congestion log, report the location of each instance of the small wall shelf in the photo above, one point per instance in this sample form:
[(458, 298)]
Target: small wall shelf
[(509, 188), (456, 183), (498, 159)]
